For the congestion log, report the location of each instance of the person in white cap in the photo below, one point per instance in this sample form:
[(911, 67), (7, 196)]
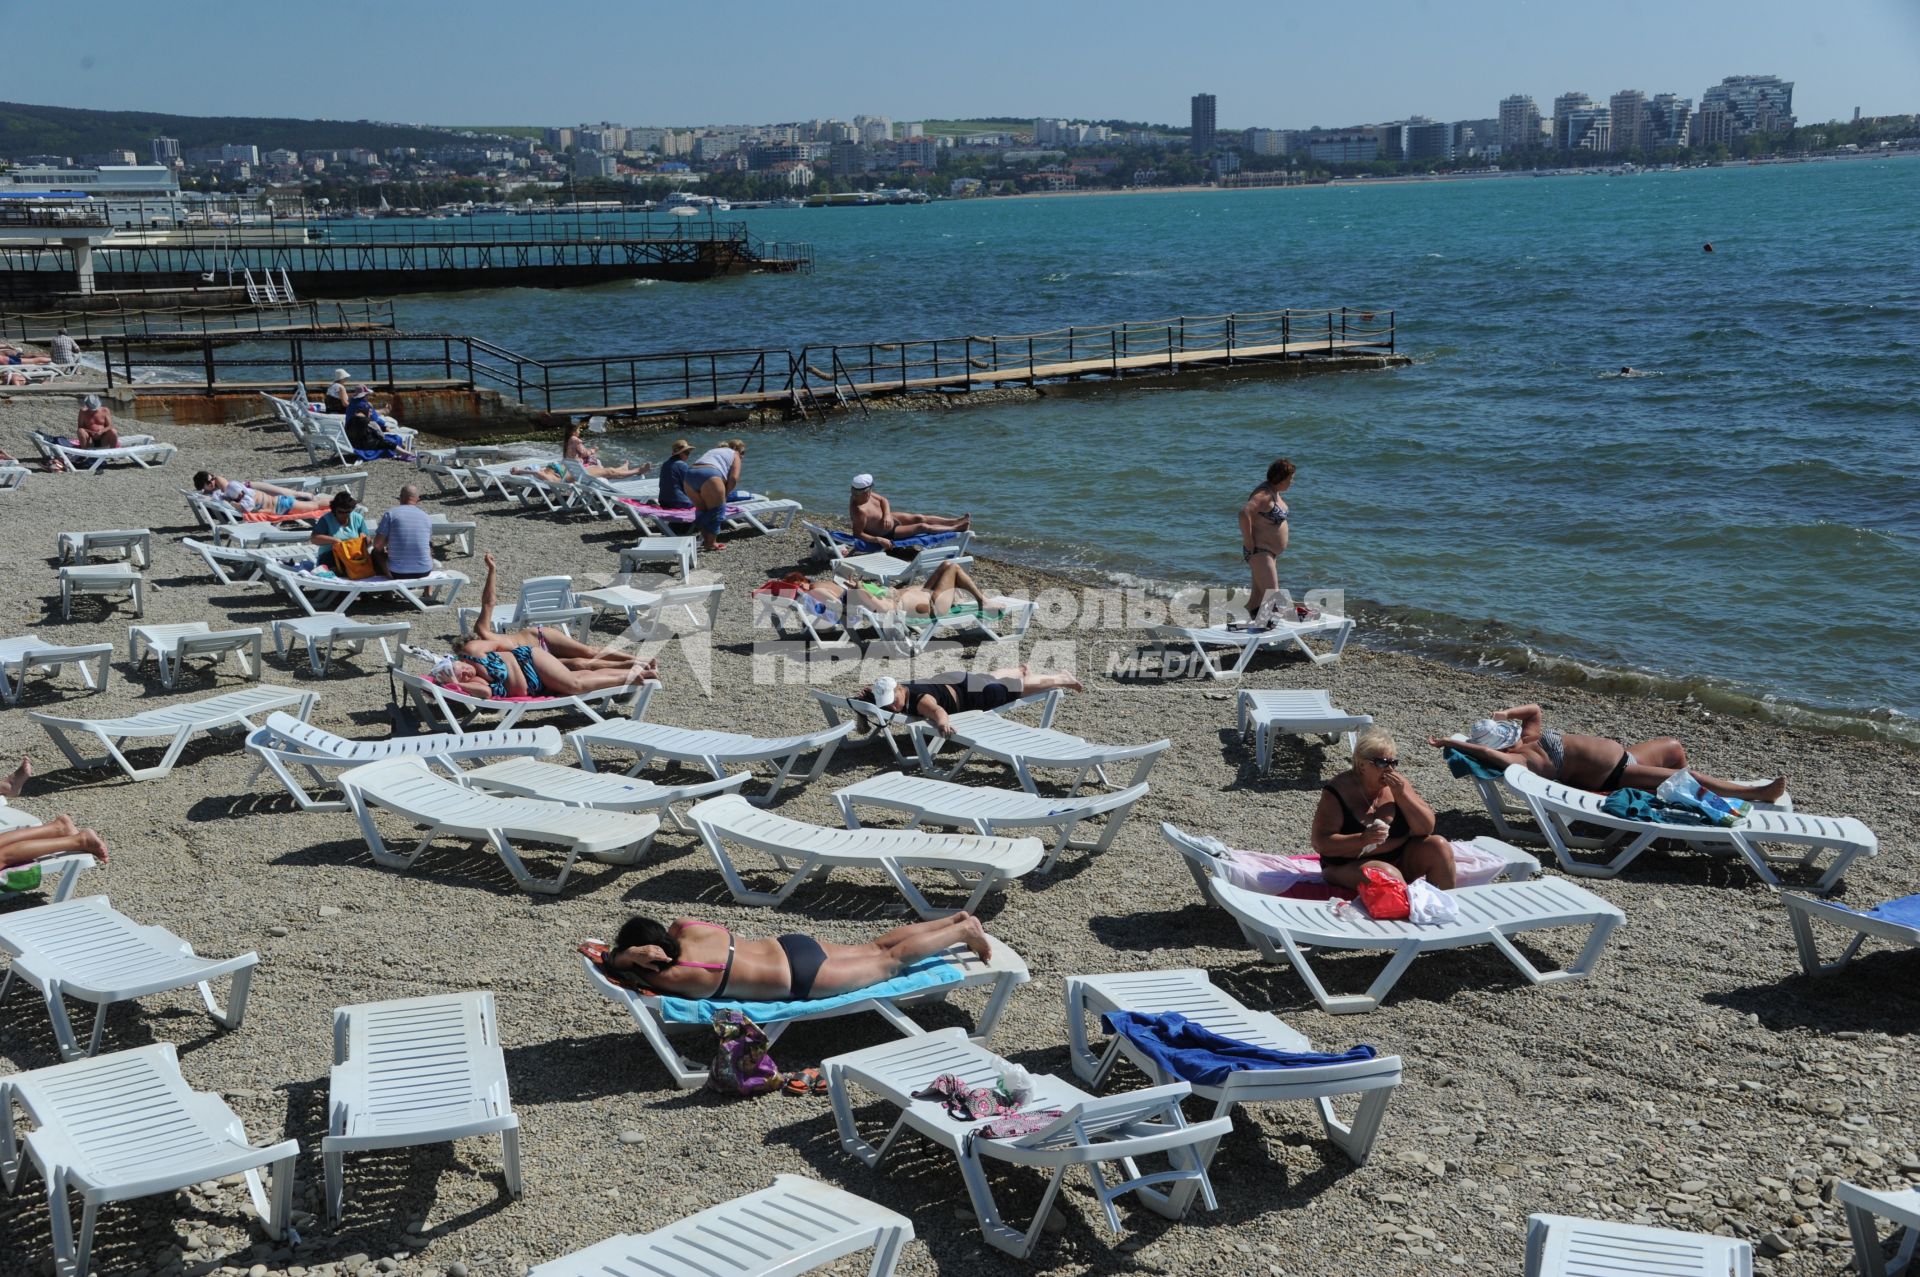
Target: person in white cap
[(335, 400), (1597, 763), (938, 698), (872, 518)]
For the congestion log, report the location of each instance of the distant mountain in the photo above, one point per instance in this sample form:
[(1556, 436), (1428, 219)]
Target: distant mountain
[(60, 130)]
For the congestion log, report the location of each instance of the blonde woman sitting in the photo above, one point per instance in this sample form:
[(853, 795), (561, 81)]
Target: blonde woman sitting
[(1370, 814)]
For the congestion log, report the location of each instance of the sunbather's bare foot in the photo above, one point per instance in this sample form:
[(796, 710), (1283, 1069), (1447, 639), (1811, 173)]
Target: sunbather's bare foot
[(93, 845), (974, 936), (15, 784), (1771, 793), (63, 825), (1074, 685)]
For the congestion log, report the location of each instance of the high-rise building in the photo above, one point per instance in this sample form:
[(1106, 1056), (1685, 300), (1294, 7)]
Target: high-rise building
[(1563, 107), (1203, 123), (1519, 121), (1267, 141), (1588, 128), (1629, 107), (1752, 103), (1667, 120), (166, 151)]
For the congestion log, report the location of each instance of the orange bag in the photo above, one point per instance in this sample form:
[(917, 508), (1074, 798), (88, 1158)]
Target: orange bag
[(353, 559)]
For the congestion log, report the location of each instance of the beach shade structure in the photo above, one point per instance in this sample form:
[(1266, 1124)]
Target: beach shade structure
[(86, 950), (445, 808), (1566, 1246), (1192, 994), (82, 1112), (801, 851), (1557, 808), (983, 809), (1109, 1135), (416, 1071), (21, 656), (1027, 750), (300, 754), (796, 1226), (932, 979), (176, 723), (1865, 1208), (711, 750), (1896, 920), (1284, 929), (1305, 712)]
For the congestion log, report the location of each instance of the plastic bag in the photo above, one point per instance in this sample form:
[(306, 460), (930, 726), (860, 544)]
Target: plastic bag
[(1016, 1084), (1429, 906), (743, 1060), (1383, 894), (1682, 790)]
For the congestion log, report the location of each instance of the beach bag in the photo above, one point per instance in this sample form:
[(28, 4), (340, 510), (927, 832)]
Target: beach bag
[(1384, 895), (742, 1058), (353, 559)]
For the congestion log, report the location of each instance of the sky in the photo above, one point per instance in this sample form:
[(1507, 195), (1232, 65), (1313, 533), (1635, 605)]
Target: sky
[(1271, 63)]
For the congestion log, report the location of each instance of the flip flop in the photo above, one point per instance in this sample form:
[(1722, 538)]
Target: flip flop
[(805, 1082)]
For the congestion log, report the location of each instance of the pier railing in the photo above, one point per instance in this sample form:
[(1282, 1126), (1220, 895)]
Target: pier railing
[(184, 322), (744, 376)]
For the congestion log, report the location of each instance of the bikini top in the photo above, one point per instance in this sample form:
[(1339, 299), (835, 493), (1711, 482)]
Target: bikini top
[(725, 969), (1274, 514)]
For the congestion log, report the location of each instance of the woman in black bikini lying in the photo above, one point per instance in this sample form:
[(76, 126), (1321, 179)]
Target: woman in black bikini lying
[(1596, 763), (1370, 814), (694, 959)]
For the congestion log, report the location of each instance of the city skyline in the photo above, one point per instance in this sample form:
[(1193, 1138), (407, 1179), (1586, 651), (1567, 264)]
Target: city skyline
[(122, 59)]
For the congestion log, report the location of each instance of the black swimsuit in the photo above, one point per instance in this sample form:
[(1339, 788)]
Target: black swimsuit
[(804, 959), (976, 691), (1351, 824)]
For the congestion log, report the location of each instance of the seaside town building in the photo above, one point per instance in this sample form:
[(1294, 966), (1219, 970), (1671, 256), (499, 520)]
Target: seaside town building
[(1519, 121), (1202, 137)]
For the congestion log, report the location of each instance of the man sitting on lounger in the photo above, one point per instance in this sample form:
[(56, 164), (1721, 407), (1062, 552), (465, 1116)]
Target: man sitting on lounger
[(534, 662), (936, 699), (694, 959), (1599, 764), (872, 518), (249, 498), (58, 837)]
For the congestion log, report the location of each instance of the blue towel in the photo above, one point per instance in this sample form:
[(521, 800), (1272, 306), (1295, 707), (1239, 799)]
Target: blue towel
[(1463, 765), (925, 541), (1198, 1055), (1638, 804), (924, 974), (1905, 911)]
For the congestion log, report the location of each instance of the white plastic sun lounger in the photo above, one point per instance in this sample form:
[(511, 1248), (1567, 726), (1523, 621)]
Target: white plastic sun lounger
[(543, 600), (86, 950), (1557, 807), (135, 545), (1200, 639), (1802, 910), (797, 1226), (248, 536), (802, 851), (1308, 712), (1864, 1207), (242, 564), (21, 656), (896, 728), (684, 551), (337, 593), (106, 580), (1193, 994), (290, 748), (179, 721), (985, 810), (126, 1125), (1567, 1246), (768, 516), (887, 570), (174, 645), (13, 477), (448, 703), (416, 1071), (1200, 855), (1282, 929), (999, 977), (319, 634), (529, 778), (1005, 620), (455, 534), (715, 751), (805, 619), (143, 450), (687, 609), (409, 788), (1030, 749), (1091, 1131)]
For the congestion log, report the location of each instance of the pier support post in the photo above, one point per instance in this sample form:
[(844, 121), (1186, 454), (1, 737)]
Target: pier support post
[(82, 263)]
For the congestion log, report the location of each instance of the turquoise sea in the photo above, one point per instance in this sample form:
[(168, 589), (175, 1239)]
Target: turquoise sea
[(1746, 523)]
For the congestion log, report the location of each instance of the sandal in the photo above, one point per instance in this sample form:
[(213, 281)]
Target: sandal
[(805, 1082)]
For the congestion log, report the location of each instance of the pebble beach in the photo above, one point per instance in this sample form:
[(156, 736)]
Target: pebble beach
[(1695, 1080)]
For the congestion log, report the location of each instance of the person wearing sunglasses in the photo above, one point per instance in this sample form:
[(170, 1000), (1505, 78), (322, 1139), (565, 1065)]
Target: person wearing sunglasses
[(1370, 814)]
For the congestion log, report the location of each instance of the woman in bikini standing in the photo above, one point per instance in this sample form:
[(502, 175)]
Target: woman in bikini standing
[(1263, 532)]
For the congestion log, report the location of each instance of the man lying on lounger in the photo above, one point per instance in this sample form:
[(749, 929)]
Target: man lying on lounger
[(533, 662), (938, 698), (248, 498), (694, 959)]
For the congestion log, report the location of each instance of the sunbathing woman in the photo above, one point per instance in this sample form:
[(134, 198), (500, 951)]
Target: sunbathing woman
[(1597, 763), (250, 497), (871, 517), (936, 598), (58, 837), (535, 662), (694, 959), (936, 699), (574, 448)]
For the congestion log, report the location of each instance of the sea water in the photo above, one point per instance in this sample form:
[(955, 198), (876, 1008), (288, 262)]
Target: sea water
[(1744, 519)]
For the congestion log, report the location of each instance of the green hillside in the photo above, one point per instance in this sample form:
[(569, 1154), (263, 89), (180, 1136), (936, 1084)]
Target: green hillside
[(59, 130)]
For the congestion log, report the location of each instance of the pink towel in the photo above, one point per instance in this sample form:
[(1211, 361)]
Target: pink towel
[(1298, 877), (679, 514)]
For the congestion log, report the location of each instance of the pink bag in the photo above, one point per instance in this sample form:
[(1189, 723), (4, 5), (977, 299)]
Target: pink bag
[(1384, 895)]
